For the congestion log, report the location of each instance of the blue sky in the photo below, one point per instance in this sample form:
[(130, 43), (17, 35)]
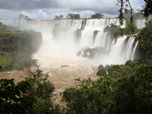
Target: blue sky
[(35, 11), (141, 2)]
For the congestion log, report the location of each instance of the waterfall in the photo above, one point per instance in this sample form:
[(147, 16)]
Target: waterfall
[(134, 50), (101, 39), (114, 55), (64, 39), (129, 48), (140, 23)]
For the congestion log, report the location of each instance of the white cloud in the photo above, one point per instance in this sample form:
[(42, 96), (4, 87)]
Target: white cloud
[(63, 7), (8, 14), (135, 4)]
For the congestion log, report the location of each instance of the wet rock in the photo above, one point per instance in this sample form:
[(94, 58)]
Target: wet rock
[(91, 52)]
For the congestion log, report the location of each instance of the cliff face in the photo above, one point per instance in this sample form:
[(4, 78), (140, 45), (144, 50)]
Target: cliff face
[(68, 38), (16, 48), (27, 42), (83, 37)]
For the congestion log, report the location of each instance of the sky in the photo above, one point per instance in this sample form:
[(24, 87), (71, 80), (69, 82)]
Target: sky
[(48, 9)]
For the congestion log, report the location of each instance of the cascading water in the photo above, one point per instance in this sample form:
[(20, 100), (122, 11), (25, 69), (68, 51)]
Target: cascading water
[(134, 50), (140, 23), (63, 39), (80, 45)]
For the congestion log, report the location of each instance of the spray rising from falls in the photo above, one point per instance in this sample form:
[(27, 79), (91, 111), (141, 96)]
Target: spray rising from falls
[(79, 42)]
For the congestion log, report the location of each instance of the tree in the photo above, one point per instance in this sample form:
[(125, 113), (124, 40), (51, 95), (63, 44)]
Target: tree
[(136, 15), (58, 17), (73, 16), (21, 16), (89, 97), (133, 94), (97, 16), (13, 98), (147, 8), (32, 96), (145, 44), (115, 31), (124, 4), (1, 69), (41, 87), (127, 88), (101, 72)]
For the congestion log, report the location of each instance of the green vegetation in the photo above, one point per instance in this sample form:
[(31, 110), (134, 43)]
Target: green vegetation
[(97, 16), (19, 41), (21, 16), (147, 8), (145, 44), (125, 5), (31, 96), (14, 98), (58, 17), (124, 70), (41, 89), (126, 94), (69, 16), (136, 15), (73, 16), (101, 72), (16, 47), (116, 31), (131, 93), (4, 28), (127, 89)]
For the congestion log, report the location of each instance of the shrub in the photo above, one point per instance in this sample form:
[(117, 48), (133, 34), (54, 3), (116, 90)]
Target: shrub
[(14, 98), (116, 31), (100, 66), (32, 96), (145, 43), (101, 72)]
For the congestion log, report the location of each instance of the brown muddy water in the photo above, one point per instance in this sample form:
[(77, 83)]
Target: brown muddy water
[(61, 77)]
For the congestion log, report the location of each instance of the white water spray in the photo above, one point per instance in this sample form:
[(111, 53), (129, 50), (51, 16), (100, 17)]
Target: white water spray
[(62, 50)]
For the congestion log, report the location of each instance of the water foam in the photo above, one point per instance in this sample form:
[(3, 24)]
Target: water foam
[(55, 52)]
